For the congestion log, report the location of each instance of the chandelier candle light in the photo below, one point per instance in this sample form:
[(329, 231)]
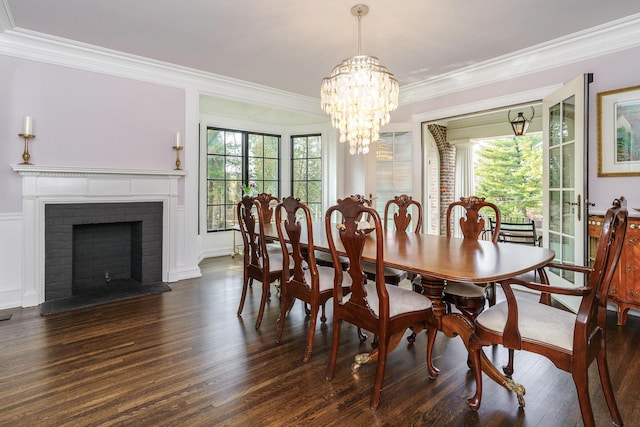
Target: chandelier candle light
[(27, 134), (359, 95)]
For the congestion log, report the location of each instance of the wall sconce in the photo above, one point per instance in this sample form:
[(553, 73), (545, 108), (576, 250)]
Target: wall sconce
[(27, 134), (178, 147), (520, 124)]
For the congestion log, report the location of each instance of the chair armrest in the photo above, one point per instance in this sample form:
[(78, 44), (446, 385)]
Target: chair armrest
[(576, 268), (579, 291)]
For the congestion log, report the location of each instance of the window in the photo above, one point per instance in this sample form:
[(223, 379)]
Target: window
[(393, 167), (306, 177), (236, 158)]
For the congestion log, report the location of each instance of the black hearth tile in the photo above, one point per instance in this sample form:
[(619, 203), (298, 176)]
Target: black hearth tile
[(117, 290)]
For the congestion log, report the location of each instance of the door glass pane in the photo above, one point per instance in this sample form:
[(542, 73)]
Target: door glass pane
[(554, 244), (568, 212), (555, 209), (568, 254), (554, 167), (554, 125), (568, 165), (569, 119)]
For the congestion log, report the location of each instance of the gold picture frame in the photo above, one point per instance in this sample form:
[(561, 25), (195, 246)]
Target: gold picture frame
[(619, 132)]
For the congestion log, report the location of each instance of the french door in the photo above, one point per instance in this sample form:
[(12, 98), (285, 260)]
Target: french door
[(565, 181)]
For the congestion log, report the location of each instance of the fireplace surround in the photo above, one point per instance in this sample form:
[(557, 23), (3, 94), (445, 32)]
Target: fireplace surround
[(54, 185)]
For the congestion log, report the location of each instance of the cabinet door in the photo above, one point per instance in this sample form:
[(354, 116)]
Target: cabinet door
[(631, 264)]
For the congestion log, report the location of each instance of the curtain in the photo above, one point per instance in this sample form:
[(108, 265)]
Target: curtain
[(465, 179)]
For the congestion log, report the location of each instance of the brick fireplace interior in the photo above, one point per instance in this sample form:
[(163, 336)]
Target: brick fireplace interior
[(95, 248)]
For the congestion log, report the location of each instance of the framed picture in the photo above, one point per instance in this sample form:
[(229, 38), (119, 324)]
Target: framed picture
[(619, 132)]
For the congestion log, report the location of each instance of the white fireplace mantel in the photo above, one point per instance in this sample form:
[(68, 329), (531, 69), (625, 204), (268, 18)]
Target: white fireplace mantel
[(42, 185)]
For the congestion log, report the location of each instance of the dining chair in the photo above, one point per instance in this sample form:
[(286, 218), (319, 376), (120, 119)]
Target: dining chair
[(385, 310), (259, 263), (308, 282), (268, 202), (470, 298), (402, 218), (405, 210), (571, 341), (521, 231)]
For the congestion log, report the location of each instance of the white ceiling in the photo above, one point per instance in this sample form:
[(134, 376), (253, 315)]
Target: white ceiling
[(292, 44)]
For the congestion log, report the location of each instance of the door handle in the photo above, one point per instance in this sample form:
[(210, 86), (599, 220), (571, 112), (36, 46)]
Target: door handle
[(578, 204)]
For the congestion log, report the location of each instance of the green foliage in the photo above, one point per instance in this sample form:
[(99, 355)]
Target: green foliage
[(509, 173)]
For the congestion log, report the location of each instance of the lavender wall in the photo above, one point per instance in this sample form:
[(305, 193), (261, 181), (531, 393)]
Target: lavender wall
[(83, 119), (612, 71)]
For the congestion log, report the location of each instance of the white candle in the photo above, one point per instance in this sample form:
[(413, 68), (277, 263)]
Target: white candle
[(27, 125), (178, 139)]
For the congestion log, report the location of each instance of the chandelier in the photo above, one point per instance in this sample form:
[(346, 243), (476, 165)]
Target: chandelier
[(359, 95)]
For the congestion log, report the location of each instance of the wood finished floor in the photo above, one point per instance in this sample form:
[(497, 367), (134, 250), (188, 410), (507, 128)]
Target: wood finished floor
[(183, 358)]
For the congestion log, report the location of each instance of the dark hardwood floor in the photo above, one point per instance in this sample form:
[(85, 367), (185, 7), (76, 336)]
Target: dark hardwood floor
[(183, 358)]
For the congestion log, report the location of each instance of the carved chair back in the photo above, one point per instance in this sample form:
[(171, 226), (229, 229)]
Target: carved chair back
[(402, 218), (350, 210), (472, 224), (290, 229)]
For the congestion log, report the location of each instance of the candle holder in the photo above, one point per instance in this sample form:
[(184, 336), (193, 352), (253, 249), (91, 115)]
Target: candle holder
[(178, 149), (25, 155)]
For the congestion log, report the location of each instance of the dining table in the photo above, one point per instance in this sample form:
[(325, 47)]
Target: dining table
[(438, 259)]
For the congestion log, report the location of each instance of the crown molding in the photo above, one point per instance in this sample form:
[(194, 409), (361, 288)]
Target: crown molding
[(41, 47), (608, 38), (601, 40), (6, 18)]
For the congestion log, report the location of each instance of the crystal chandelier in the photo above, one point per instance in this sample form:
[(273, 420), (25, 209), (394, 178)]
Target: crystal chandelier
[(359, 94)]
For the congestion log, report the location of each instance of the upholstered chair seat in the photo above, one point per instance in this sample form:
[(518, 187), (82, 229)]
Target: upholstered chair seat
[(536, 323)]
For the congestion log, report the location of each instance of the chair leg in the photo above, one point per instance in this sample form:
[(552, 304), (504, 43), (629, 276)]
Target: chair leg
[(334, 349), (508, 368), (581, 380), (474, 351), (311, 333), (285, 308), (382, 364), (245, 286), (263, 302), (607, 388), (491, 294), (323, 318)]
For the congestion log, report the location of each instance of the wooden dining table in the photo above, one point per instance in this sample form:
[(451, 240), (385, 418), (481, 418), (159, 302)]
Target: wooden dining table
[(438, 259)]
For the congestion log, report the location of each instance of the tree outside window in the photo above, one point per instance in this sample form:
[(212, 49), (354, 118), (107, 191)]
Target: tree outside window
[(235, 159), (306, 166), (509, 173)]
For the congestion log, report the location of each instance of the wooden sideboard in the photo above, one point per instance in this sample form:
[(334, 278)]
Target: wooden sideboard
[(625, 287)]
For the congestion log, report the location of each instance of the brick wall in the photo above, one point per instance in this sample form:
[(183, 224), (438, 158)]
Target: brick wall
[(447, 153)]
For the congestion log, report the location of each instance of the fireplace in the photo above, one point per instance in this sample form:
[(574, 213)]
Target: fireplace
[(91, 246), (46, 187)]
